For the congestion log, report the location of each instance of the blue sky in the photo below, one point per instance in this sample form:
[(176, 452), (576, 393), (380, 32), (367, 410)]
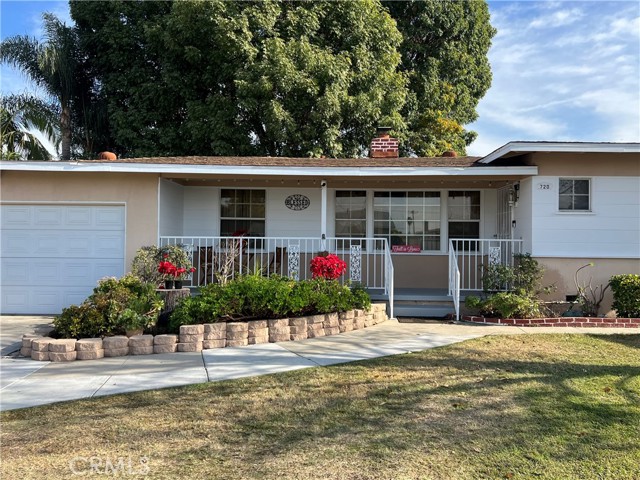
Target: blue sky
[(562, 70)]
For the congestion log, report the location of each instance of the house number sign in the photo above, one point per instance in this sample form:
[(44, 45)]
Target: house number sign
[(297, 202)]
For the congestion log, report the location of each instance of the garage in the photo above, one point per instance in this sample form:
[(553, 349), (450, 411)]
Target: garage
[(52, 255)]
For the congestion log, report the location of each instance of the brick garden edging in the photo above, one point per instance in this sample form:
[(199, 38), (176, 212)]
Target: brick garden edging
[(195, 338), (585, 322)]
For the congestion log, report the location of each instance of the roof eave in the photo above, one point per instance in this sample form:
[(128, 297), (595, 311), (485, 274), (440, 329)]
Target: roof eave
[(562, 147), (288, 171)]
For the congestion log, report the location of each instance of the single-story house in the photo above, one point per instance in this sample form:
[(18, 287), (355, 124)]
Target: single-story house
[(412, 230)]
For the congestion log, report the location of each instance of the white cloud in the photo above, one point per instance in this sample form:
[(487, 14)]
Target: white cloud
[(578, 82), (620, 111), (626, 26), (559, 18)]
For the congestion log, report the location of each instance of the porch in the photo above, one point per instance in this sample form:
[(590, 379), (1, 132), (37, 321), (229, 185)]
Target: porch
[(370, 263)]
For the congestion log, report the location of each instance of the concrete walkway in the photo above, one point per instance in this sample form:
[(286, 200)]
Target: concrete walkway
[(26, 383)]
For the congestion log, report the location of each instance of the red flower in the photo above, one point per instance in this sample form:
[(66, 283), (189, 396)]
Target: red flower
[(329, 267), (166, 268)]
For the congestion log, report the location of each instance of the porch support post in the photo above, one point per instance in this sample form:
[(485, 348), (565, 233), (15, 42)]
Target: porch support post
[(323, 210)]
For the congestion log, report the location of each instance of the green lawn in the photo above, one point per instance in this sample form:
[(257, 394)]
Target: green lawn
[(526, 406)]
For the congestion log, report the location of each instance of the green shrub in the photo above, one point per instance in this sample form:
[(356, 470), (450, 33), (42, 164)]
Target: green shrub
[(193, 310), (361, 298), (79, 321), (253, 296), (522, 284), (506, 305), (472, 302), (626, 295), (145, 263), (114, 306), (527, 275), (523, 277)]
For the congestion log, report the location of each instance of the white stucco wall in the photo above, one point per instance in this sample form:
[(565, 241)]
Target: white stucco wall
[(488, 209), (171, 208), (283, 222), (610, 230), (201, 215), (523, 215)]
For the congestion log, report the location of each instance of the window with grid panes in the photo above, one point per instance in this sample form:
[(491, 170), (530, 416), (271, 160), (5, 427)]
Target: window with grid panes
[(464, 214), (574, 195), (408, 218), (242, 212), (351, 214)]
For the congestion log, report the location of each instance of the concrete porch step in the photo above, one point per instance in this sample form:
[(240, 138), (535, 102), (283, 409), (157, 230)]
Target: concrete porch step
[(421, 308)]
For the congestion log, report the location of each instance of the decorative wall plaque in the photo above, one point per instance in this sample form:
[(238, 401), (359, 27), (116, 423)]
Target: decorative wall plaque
[(297, 202)]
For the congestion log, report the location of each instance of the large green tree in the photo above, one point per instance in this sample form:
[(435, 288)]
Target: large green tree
[(233, 78), (444, 54), (284, 78), (51, 65), (21, 117)]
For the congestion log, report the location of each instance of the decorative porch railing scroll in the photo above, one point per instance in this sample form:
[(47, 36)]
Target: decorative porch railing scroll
[(454, 279), (494, 255), (355, 263), (293, 261)]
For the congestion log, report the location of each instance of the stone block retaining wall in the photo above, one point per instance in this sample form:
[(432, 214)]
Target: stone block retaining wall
[(586, 322), (195, 338)]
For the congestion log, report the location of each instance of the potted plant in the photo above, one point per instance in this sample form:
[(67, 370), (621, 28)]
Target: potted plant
[(168, 271), (180, 274), (139, 315)]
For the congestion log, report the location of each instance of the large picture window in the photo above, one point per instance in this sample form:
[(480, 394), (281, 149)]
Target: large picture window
[(408, 218), (351, 214), (574, 195), (242, 212), (464, 214)]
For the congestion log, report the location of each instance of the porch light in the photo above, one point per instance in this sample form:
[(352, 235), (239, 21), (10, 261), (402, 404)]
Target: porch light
[(514, 194)]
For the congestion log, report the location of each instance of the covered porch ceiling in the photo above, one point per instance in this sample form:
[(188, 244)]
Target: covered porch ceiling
[(413, 182)]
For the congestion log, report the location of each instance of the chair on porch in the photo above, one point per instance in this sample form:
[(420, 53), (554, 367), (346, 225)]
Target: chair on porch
[(275, 265), (206, 265)]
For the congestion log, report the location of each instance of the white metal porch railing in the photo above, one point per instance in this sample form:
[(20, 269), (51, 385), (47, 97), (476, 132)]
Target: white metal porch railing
[(467, 257), (454, 279), (368, 259)]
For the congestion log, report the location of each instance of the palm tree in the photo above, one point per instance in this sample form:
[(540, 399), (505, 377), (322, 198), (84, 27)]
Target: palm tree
[(20, 116), (51, 65)]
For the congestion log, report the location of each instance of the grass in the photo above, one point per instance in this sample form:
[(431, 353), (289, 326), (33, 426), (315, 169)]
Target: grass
[(526, 406)]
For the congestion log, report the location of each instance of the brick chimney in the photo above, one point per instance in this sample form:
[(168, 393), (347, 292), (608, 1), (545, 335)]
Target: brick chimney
[(383, 146)]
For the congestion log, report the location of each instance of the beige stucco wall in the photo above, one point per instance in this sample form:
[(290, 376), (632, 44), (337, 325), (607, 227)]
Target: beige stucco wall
[(586, 164), (421, 271), (561, 271), (138, 192)]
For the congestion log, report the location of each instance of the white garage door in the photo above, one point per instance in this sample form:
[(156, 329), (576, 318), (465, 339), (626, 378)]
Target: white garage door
[(53, 255)]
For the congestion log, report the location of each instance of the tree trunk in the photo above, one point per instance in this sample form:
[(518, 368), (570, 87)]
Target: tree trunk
[(171, 299), (65, 131)]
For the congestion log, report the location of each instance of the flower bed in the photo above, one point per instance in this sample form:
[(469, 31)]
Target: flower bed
[(588, 322), (195, 338)]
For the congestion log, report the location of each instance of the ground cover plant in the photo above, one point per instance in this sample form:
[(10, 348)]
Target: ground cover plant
[(514, 407)]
